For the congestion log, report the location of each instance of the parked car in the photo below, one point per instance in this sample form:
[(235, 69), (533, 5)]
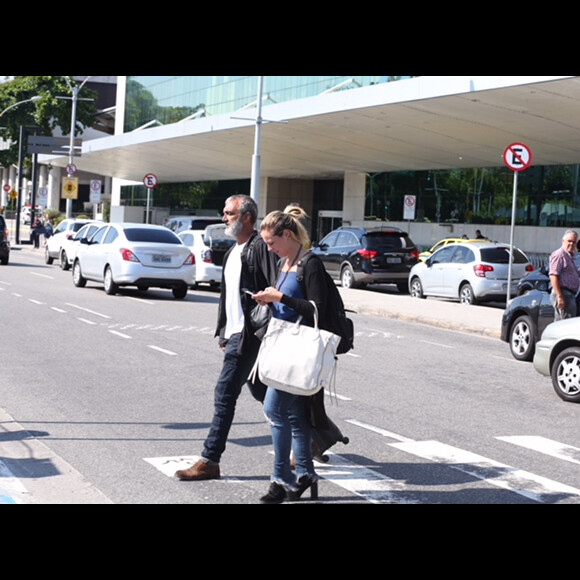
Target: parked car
[(70, 246), (4, 242), (191, 222), (209, 247), (26, 213), (469, 272), (441, 243), (524, 320), (558, 356), (361, 256), (64, 231), (536, 280), (128, 254)]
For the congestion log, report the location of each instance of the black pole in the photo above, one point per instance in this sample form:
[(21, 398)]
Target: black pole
[(19, 186), (21, 156), (34, 189)]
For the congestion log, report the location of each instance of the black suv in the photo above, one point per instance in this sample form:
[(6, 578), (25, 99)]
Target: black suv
[(4, 242), (361, 256)]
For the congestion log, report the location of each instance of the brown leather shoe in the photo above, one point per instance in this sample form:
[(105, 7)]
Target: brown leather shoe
[(199, 471)]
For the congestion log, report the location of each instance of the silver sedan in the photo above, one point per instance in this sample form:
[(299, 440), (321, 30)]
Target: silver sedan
[(558, 356)]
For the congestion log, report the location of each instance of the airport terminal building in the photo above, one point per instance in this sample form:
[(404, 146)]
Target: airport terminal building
[(354, 149)]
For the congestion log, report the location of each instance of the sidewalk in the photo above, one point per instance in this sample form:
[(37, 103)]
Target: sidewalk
[(482, 319)]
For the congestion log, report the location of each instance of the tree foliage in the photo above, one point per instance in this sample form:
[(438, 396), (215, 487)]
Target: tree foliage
[(53, 110)]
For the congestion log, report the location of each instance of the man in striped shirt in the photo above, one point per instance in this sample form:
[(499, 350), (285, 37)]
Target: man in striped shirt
[(564, 278)]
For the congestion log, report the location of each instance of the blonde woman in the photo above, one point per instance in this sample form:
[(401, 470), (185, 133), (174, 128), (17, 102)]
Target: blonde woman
[(289, 415)]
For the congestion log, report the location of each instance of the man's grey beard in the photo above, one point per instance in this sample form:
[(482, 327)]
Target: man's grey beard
[(235, 230)]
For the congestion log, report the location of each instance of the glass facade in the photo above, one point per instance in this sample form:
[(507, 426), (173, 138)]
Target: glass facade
[(163, 100), (547, 196)]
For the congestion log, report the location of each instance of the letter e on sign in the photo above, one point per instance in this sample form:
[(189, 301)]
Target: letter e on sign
[(151, 181), (517, 156)]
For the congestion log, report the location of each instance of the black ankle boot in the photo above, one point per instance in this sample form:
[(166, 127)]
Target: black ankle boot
[(304, 483), (276, 494)]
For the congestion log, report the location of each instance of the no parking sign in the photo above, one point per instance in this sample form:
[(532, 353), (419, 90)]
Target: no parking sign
[(95, 196), (409, 207)]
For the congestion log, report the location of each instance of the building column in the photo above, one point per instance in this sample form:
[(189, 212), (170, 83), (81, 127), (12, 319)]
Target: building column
[(354, 194), (54, 181)]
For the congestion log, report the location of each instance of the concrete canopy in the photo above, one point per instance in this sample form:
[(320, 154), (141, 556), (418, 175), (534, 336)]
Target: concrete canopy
[(417, 124)]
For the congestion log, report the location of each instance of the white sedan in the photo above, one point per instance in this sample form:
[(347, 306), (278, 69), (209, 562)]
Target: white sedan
[(61, 235), (209, 247), (131, 254)]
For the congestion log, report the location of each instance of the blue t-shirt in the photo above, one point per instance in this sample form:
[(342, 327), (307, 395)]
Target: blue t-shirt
[(290, 287)]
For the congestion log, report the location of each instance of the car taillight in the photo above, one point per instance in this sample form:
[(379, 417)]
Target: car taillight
[(529, 268), (206, 256), (128, 255), (482, 269), (367, 254), (190, 260), (415, 254)]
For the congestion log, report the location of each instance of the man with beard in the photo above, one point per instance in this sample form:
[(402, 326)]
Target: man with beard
[(248, 265)]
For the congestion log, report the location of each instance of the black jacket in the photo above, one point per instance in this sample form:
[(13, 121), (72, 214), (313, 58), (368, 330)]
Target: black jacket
[(259, 267)]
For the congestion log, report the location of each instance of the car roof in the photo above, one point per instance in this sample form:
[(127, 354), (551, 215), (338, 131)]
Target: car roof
[(361, 230)]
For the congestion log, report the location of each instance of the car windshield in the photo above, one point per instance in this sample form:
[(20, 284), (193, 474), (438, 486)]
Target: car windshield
[(160, 236)]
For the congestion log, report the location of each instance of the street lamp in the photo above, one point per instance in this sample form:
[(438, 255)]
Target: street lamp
[(75, 97), (20, 163), (31, 100)]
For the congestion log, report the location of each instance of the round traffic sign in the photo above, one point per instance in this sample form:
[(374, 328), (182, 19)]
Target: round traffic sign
[(150, 181), (71, 168), (517, 156), (7, 188)]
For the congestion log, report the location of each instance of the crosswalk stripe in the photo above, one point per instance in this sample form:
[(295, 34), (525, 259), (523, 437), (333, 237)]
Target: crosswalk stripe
[(364, 482), (524, 483), (11, 490), (546, 446)]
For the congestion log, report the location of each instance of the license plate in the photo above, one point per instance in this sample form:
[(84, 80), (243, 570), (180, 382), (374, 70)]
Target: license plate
[(161, 259), (393, 260)]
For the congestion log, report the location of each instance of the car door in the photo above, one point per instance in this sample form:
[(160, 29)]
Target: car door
[(91, 255), (327, 252), (459, 268), (433, 275)]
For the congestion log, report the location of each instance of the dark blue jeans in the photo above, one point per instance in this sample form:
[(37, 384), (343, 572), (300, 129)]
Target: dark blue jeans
[(233, 376)]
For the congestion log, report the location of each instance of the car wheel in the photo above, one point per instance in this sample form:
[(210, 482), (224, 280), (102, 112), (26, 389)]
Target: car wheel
[(110, 287), (523, 338), (47, 259), (180, 292), (79, 280), (347, 278), (403, 288), (417, 288), (466, 295), (64, 265), (566, 375), (4, 261)]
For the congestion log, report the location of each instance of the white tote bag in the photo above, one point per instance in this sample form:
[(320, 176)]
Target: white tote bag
[(296, 358)]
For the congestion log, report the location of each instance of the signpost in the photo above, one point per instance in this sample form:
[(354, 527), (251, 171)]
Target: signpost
[(151, 182), (95, 195), (409, 206), (518, 157)]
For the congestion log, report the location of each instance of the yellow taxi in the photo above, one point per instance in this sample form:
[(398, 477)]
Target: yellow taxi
[(424, 255)]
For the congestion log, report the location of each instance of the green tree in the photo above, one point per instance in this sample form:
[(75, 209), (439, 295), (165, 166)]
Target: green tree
[(47, 114)]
